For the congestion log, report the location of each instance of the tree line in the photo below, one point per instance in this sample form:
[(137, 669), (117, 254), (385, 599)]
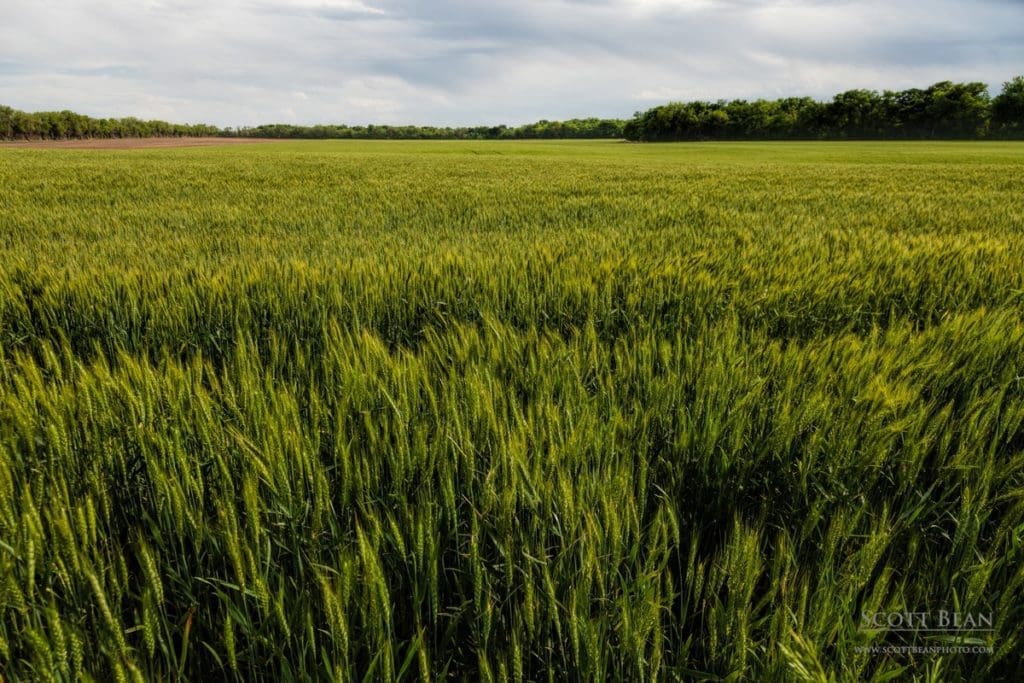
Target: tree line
[(574, 128), (67, 125), (944, 110)]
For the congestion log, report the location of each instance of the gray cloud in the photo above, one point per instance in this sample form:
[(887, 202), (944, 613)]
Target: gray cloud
[(243, 62)]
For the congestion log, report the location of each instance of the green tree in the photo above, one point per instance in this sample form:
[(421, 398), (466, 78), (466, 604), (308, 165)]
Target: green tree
[(958, 109), (855, 113), (1008, 108)]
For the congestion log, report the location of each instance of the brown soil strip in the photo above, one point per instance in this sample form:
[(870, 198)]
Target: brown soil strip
[(131, 143)]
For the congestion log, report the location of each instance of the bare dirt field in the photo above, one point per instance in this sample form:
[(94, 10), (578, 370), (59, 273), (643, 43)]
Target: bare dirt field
[(131, 143)]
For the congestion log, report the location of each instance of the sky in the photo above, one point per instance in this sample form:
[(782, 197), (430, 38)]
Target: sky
[(459, 62)]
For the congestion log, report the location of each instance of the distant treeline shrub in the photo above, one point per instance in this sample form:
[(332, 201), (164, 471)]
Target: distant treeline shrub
[(945, 110), (572, 129), (67, 125)]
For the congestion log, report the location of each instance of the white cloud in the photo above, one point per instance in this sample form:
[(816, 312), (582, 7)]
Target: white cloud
[(243, 62)]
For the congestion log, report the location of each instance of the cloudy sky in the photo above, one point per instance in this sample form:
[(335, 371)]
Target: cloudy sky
[(244, 62)]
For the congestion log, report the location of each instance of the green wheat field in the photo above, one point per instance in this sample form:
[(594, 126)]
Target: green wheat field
[(519, 411)]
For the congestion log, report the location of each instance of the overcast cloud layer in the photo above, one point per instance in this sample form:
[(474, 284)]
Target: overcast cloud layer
[(454, 62)]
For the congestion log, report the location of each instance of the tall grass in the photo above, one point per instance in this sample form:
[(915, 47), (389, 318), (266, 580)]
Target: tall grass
[(509, 411)]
